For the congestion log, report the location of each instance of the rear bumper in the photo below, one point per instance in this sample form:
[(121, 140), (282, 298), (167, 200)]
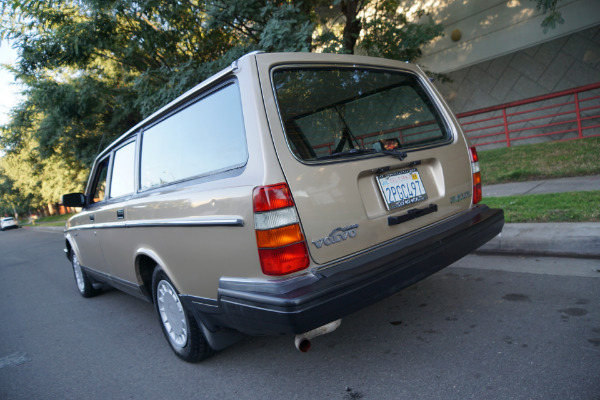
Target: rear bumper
[(302, 303)]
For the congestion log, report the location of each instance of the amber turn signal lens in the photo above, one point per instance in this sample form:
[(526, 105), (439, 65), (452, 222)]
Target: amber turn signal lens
[(279, 237)]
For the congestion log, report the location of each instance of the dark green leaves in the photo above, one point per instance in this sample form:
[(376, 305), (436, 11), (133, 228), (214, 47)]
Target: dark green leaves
[(92, 69)]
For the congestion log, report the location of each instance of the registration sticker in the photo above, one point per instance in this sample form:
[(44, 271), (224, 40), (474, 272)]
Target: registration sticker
[(401, 188)]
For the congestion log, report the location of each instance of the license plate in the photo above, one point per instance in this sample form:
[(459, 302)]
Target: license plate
[(401, 188)]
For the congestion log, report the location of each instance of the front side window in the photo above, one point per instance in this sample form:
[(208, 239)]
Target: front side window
[(99, 190), (205, 137), (122, 176), (328, 112)]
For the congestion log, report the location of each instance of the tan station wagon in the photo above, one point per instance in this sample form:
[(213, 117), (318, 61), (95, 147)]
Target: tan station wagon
[(279, 196)]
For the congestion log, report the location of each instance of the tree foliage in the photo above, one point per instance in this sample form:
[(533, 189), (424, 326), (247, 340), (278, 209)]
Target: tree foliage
[(91, 69), (553, 16)]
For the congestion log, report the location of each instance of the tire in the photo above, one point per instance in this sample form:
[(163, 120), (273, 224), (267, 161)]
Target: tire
[(84, 284), (178, 325)]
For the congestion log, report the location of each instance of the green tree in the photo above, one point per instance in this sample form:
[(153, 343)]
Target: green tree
[(93, 68), (11, 199)]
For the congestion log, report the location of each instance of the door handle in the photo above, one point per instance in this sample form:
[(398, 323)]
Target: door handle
[(92, 218), (120, 214)]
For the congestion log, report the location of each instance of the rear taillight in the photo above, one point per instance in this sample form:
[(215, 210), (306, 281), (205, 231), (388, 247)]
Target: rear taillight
[(475, 170), (281, 245)]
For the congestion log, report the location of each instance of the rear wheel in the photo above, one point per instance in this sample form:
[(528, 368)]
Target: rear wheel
[(84, 284), (178, 325)]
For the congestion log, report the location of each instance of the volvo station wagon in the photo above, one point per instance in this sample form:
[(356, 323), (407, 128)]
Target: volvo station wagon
[(280, 195)]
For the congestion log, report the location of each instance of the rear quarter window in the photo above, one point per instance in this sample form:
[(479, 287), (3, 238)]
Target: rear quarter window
[(205, 137)]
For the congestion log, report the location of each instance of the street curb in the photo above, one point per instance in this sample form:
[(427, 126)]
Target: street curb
[(547, 239)]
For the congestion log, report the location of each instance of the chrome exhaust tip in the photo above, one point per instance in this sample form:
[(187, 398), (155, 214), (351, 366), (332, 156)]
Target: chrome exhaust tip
[(303, 340)]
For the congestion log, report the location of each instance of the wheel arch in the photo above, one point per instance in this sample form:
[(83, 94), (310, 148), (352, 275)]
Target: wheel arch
[(145, 267), (70, 247), (146, 262)]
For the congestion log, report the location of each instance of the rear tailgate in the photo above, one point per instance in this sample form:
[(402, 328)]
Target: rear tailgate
[(329, 138)]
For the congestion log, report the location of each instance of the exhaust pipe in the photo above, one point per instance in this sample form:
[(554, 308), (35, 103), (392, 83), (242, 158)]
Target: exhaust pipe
[(302, 340)]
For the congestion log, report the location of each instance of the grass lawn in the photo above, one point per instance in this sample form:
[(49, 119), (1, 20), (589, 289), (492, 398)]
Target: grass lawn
[(550, 160), (541, 161), (552, 207)]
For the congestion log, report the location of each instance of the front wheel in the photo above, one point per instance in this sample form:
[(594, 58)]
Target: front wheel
[(84, 284), (178, 325)]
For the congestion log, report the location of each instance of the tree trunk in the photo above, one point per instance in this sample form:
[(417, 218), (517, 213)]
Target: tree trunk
[(353, 26)]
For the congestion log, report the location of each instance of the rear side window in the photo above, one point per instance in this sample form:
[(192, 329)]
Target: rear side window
[(206, 137), (330, 111), (121, 182)]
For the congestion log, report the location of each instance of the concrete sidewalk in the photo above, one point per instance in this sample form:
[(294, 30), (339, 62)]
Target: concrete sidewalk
[(546, 239), (577, 184)]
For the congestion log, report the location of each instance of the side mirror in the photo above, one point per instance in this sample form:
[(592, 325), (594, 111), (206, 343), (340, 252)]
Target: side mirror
[(73, 200)]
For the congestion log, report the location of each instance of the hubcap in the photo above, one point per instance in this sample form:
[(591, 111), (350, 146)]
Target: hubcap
[(172, 314), (78, 274)]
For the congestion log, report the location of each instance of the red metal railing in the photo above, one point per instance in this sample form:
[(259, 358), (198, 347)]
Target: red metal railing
[(566, 115), (406, 134)]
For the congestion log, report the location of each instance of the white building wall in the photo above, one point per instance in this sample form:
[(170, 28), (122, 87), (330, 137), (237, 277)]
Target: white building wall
[(503, 54), (494, 28), (559, 64)]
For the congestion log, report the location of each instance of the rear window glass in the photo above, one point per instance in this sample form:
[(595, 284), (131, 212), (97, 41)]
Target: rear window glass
[(204, 138), (332, 111)]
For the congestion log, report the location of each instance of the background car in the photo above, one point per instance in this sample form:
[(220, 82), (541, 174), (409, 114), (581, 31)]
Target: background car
[(8, 223)]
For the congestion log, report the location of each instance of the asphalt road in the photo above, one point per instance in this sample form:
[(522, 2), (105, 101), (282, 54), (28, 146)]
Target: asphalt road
[(485, 328)]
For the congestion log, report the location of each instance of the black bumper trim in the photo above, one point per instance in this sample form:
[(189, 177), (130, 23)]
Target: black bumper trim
[(359, 282)]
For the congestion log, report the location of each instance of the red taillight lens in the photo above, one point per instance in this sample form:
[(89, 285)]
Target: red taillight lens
[(477, 191), (473, 154), (284, 260), (281, 246), (267, 198)]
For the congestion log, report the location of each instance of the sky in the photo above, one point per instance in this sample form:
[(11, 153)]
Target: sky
[(9, 91)]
